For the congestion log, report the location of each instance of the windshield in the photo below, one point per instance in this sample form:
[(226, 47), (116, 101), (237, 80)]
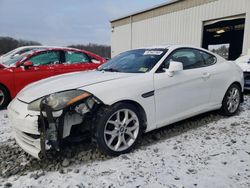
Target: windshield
[(134, 61), (9, 53), (11, 61), (21, 50)]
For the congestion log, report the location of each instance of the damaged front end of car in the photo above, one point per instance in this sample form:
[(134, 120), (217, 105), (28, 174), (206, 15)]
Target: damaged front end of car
[(64, 115)]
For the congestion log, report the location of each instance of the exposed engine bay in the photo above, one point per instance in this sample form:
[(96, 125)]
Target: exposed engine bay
[(72, 123)]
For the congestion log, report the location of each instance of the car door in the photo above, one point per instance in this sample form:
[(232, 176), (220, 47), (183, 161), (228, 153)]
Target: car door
[(43, 66), (75, 61), (184, 94)]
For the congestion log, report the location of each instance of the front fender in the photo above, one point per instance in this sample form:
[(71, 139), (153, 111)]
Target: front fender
[(130, 89)]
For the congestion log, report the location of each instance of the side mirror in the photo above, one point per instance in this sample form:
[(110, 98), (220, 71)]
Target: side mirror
[(27, 64), (174, 67)]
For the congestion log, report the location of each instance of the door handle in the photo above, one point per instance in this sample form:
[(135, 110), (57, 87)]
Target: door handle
[(206, 75)]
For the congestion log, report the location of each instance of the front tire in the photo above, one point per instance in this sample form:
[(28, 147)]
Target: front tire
[(117, 128), (231, 101), (4, 97)]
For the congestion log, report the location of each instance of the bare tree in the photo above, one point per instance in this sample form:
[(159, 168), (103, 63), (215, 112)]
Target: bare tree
[(102, 50), (7, 44)]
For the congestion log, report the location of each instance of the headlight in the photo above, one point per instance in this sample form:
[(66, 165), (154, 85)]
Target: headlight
[(35, 106), (58, 101)]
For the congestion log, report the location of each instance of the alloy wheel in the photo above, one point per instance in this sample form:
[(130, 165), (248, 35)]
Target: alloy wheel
[(233, 100), (121, 130)]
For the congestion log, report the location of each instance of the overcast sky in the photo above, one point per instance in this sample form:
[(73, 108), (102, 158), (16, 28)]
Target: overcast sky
[(64, 22)]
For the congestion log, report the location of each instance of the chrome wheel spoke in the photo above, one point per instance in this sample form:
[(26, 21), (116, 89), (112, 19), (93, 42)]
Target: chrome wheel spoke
[(118, 144), (111, 140), (125, 119), (130, 129), (236, 102), (130, 134), (124, 141), (235, 93), (232, 107), (112, 133), (115, 123), (129, 121), (118, 117)]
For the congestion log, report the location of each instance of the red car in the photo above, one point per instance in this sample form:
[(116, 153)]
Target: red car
[(35, 65)]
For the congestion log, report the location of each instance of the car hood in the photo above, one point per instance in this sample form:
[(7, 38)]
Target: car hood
[(65, 82)]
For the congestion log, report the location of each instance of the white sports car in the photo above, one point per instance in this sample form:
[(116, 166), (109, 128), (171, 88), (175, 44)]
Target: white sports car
[(244, 63), (133, 93)]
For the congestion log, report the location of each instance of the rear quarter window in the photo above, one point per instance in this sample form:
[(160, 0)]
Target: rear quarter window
[(76, 57), (209, 59)]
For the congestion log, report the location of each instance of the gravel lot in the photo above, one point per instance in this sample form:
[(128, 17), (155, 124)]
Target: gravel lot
[(206, 151)]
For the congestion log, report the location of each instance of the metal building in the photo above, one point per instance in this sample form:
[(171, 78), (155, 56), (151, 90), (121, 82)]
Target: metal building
[(222, 26)]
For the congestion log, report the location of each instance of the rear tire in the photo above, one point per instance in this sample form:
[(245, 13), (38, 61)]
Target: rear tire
[(231, 101), (4, 97), (117, 128)]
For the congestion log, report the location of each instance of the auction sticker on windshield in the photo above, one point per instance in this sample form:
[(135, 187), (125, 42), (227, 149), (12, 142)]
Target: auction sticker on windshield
[(152, 52)]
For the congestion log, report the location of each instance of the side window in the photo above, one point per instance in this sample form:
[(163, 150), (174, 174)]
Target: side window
[(191, 58), (46, 58), (76, 57), (208, 58)]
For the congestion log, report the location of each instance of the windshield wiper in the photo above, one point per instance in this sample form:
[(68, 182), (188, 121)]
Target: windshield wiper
[(109, 70)]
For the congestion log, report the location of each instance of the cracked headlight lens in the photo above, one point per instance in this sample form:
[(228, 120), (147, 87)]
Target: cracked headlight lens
[(58, 101)]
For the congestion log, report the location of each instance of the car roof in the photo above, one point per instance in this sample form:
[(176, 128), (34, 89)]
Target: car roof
[(176, 46), (36, 51), (25, 47), (171, 46), (55, 48)]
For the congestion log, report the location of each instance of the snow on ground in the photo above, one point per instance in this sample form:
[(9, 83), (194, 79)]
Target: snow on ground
[(5, 131), (206, 151)]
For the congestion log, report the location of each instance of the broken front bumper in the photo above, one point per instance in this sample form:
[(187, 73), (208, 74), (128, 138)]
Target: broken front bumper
[(25, 127), (36, 132)]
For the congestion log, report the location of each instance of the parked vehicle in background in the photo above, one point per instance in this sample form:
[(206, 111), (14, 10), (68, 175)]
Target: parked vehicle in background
[(135, 92), (21, 50), (35, 65), (244, 63)]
